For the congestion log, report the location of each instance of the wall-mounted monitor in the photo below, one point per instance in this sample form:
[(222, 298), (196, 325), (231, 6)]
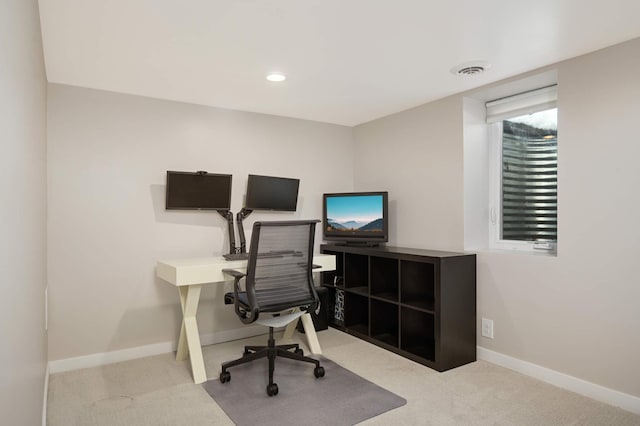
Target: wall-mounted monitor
[(272, 193), (198, 191), (356, 217)]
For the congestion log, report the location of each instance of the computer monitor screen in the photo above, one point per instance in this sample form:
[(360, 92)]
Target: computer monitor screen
[(356, 217), (198, 191), (272, 193)]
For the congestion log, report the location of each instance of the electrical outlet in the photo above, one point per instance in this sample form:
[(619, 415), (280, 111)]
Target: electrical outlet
[(487, 328)]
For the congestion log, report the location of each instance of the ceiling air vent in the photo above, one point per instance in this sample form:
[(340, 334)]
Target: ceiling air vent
[(470, 68)]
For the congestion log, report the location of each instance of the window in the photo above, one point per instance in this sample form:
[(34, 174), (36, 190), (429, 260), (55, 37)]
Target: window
[(524, 192)]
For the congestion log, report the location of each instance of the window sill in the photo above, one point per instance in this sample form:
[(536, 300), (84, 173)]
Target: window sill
[(487, 250)]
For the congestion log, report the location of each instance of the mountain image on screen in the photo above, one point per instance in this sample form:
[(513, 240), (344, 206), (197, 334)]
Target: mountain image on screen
[(352, 225)]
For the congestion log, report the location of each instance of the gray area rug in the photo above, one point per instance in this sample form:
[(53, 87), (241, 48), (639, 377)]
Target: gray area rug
[(339, 398)]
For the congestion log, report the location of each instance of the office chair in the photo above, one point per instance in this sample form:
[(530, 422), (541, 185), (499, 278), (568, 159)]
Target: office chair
[(278, 290)]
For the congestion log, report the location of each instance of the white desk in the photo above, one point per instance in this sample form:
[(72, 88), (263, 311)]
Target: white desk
[(189, 275)]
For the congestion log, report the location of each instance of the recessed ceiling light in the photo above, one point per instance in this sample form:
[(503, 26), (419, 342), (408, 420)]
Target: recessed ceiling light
[(471, 68), (276, 76)]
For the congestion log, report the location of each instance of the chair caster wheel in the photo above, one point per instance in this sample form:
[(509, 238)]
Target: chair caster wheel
[(318, 372), (272, 389), (299, 352), (225, 377)]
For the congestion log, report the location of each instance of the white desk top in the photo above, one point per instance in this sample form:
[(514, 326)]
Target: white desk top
[(202, 270)]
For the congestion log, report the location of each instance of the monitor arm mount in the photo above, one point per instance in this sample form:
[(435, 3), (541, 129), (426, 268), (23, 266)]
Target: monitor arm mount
[(228, 214), (242, 214)]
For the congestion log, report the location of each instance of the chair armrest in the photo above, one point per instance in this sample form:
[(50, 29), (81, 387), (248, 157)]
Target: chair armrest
[(247, 316)]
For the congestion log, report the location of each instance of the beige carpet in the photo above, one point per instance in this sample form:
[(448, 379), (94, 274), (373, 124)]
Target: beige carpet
[(159, 391)]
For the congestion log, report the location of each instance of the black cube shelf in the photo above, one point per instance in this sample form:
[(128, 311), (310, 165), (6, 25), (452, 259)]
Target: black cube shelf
[(420, 304)]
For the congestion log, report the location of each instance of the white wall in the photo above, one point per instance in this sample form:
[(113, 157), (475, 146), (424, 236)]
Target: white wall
[(417, 157), (577, 313), (23, 347), (108, 155), (477, 163)]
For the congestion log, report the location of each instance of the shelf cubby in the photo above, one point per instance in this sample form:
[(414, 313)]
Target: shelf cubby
[(356, 313), (417, 333), (356, 272), (417, 283), (384, 278), (333, 316), (384, 322), (335, 278)]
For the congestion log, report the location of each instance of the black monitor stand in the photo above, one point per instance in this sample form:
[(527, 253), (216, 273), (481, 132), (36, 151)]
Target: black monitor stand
[(242, 214), (228, 214)]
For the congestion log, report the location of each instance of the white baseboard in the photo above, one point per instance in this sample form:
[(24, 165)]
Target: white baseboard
[(45, 396), (104, 358), (556, 378)]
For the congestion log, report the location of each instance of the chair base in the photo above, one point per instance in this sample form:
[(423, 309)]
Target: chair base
[(271, 351)]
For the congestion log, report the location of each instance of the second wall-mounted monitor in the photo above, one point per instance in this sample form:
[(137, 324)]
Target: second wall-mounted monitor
[(272, 193)]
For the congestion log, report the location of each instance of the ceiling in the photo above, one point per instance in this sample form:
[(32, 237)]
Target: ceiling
[(347, 61)]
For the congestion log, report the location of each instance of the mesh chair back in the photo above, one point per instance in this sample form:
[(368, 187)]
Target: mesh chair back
[(279, 269)]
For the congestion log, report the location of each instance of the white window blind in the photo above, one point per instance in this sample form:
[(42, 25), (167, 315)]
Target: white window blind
[(522, 104)]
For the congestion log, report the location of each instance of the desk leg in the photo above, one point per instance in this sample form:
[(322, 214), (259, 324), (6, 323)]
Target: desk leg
[(291, 327), (183, 350), (310, 331), (189, 340)]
